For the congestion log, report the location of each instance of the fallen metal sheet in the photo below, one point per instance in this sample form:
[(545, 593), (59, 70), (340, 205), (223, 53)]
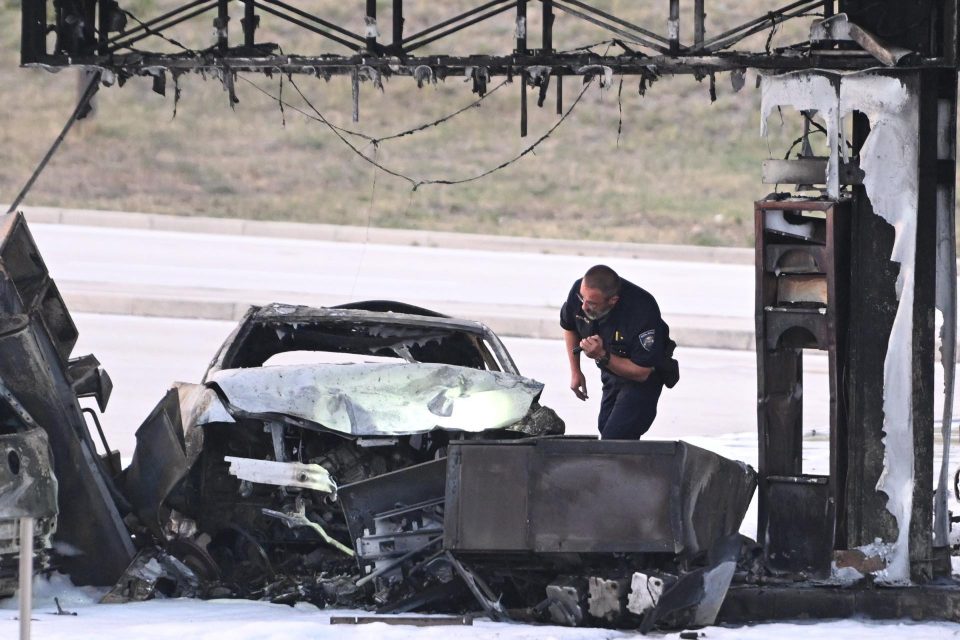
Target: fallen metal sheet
[(589, 496), (35, 343), (381, 399), (839, 27), (694, 600), (282, 474), (159, 463)]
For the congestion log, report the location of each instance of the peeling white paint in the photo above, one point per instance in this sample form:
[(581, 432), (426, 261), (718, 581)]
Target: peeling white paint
[(806, 91), (382, 398), (889, 161)]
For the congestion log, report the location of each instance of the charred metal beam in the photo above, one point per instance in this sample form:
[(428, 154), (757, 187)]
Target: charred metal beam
[(308, 27), (522, 26), (632, 37), (508, 65), (499, 6), (148, 25), (747, 29), (249, 23), (924, 304), (78, 112), (872, 307), (33, 25), (523, 104), (673, 26), (117, 44), (371, 23), (397, 45), (548, 17), (699, 22), (748, 604), (412, 46), (222, 24), (616, 20), (320, 21)]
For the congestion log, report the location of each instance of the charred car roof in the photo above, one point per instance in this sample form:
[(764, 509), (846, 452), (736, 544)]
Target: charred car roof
[(379, 328)]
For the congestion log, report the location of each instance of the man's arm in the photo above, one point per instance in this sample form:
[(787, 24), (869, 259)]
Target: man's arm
[(578, 382), (623, 367), (626, 368)]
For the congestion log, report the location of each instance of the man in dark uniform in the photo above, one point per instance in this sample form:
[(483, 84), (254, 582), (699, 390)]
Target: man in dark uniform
[(618, 325)]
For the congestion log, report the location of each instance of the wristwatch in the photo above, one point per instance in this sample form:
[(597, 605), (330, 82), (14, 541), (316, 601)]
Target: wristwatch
[(603, 361)]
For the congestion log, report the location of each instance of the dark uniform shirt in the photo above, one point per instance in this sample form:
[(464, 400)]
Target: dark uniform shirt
[(633, 329)]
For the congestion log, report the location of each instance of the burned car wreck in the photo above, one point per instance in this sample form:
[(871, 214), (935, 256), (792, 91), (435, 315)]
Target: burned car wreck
[(377, 456), (238, 476), (413, 469)]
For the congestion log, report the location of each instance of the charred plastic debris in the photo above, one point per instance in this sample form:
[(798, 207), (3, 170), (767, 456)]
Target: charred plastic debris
[(376, 456)]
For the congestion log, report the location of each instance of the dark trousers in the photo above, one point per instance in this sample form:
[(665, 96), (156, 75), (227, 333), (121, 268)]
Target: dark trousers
[(627, 409)]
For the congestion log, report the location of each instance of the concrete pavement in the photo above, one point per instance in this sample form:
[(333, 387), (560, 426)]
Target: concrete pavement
[(211, 268)]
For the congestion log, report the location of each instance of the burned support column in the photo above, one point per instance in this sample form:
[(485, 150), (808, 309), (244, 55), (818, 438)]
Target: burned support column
[(889, 475), (930, 30), (873, 306), (921, 534)]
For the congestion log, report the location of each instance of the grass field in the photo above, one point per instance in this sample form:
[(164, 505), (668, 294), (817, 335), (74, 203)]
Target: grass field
[(684, 170)]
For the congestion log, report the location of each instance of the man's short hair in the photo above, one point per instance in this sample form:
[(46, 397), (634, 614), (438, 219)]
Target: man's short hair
[(604, 279)]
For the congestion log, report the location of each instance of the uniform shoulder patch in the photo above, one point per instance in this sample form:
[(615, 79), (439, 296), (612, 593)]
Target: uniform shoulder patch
[(647, 339)]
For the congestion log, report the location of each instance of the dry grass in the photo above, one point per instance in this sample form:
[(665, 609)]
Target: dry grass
[(685, 170)]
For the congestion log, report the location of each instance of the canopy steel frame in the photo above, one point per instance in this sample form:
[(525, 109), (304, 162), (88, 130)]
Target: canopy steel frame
[(103, 40)]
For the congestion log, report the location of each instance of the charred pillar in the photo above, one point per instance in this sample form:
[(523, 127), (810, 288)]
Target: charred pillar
[(873, 306), (930, 30), (875, 344)]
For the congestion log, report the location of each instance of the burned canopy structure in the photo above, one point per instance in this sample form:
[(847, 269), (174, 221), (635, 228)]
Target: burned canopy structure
[(855, 260)]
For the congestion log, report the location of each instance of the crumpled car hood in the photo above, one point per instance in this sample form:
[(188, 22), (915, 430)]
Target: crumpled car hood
[(390, 399)]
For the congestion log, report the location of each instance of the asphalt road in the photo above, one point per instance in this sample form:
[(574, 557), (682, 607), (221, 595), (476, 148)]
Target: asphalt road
[(176, 273)]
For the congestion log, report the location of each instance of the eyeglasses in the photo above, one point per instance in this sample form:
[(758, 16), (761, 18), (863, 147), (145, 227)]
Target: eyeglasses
[(592, 304)]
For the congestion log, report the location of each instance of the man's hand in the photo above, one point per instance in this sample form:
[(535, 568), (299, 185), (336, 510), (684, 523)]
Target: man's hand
[(578, 384), (592, 347)]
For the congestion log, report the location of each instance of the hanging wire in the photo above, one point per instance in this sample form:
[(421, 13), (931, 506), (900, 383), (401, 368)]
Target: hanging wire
[(416, 183), (423, 127)]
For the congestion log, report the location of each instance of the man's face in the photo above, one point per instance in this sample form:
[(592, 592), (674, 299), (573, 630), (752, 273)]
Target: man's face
[(594, 303)]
